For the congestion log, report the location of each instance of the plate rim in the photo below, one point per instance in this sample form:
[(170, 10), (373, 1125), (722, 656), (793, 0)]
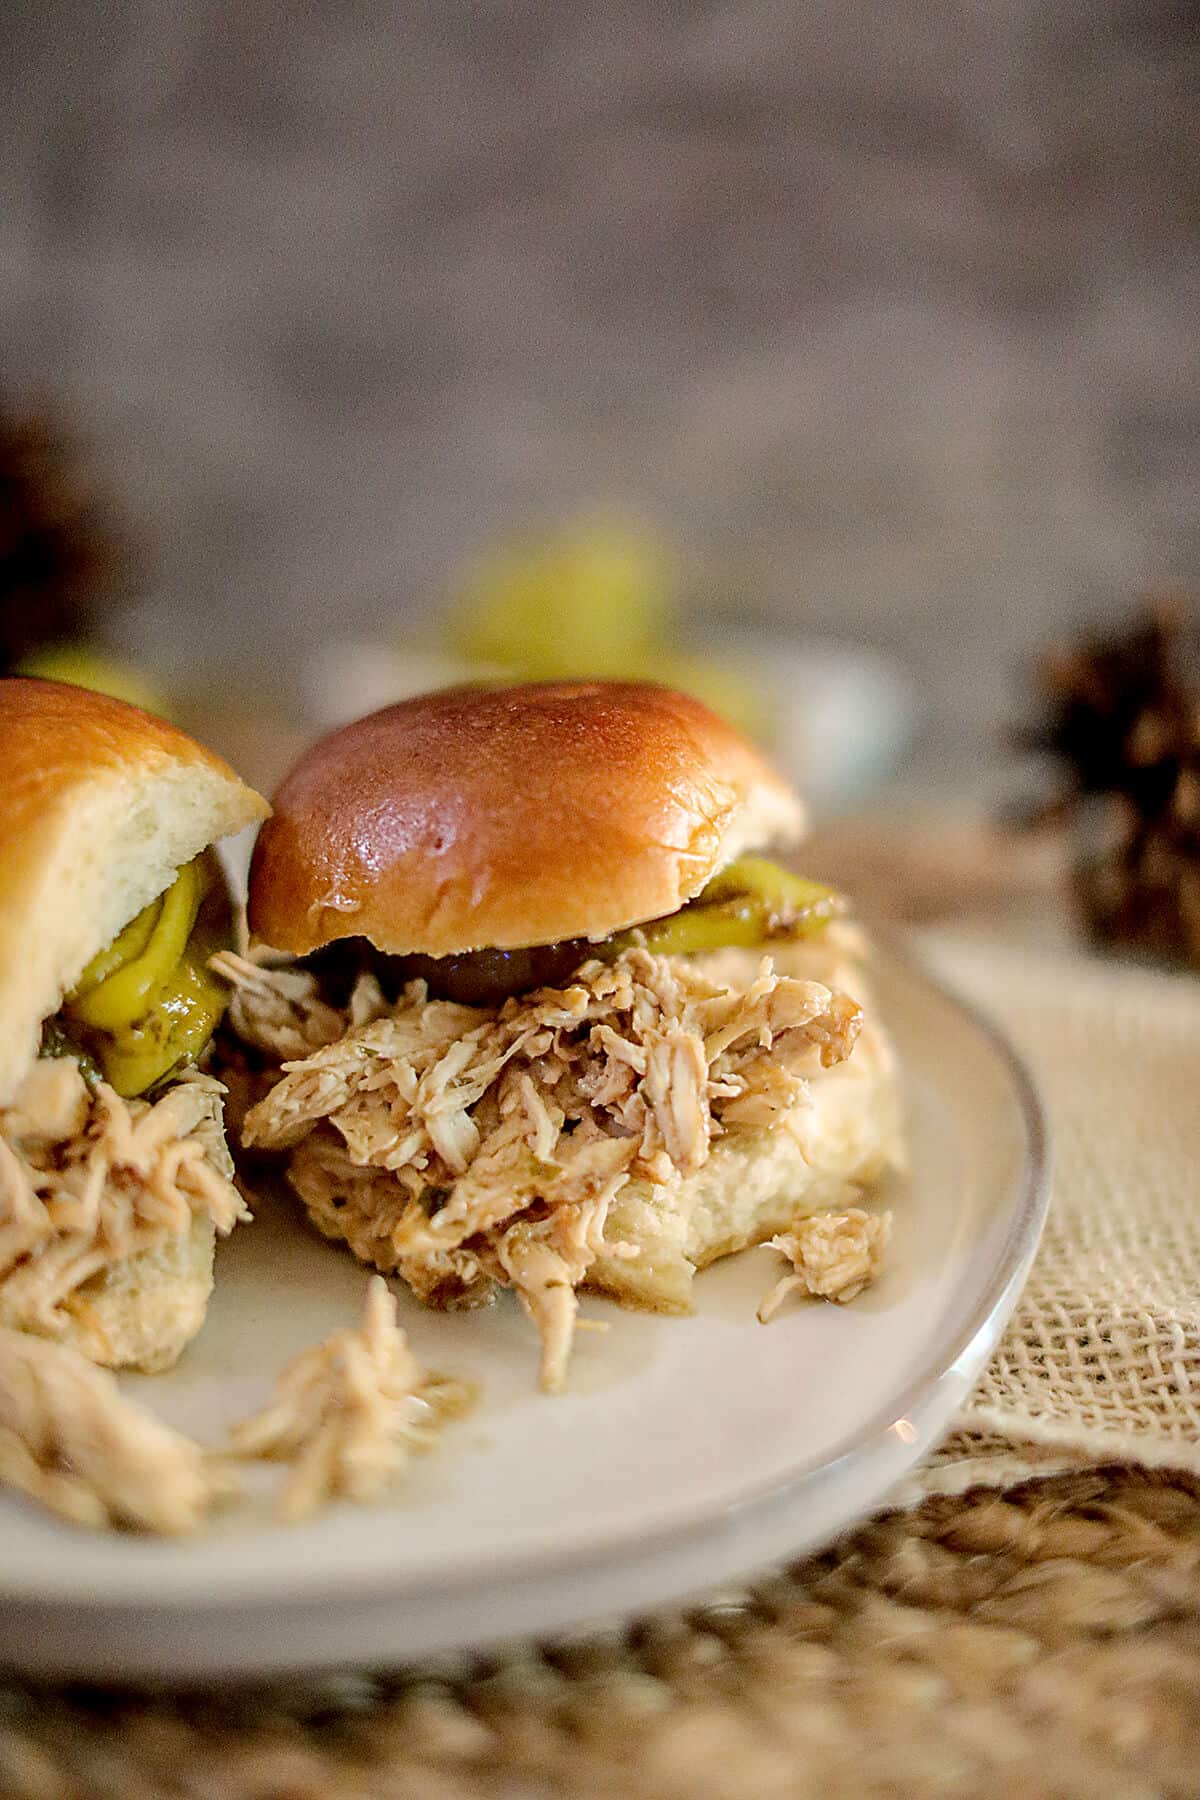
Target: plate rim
[(977, 1335)]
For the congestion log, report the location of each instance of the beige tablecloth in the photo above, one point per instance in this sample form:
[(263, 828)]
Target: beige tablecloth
[(1101, 1362)]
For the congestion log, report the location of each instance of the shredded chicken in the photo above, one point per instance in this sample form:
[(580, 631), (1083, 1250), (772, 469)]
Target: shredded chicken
[(834, 1256), (280, 1009), (464, 1147), (88, 1179), (350, 1413), (71, 1440)]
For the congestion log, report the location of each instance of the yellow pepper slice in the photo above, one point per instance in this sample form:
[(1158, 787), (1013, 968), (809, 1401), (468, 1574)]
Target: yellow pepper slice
[(125, 948), (126, 994), (766, 881), (751, 902), (148, 1003), (696, 929), (185, 1016)]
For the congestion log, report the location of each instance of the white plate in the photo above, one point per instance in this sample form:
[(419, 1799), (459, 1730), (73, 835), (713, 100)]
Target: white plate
[(686, 1453)]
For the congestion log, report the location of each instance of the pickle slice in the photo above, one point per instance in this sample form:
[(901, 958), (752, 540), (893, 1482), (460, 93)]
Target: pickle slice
[(58, 1042), (490, 977)]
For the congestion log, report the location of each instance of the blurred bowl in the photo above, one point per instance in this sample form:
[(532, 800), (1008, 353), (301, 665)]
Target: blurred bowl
[(839, 718), (350, 677), (842, 717)]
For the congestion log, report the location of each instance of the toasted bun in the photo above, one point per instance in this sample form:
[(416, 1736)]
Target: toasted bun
[(502, 817), (143, 1312), (847, 1135), (100, 804), (755, 1183)]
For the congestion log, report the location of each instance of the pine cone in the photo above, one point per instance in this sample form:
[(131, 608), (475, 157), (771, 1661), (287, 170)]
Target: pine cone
[(60, 560), (1123, 720)]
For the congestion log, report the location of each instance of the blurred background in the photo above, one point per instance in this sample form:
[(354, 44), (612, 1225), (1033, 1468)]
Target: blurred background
[(828, 358)]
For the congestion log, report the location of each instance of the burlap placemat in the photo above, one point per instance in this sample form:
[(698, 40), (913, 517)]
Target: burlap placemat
[(1043, 1641), (1101, 1362)]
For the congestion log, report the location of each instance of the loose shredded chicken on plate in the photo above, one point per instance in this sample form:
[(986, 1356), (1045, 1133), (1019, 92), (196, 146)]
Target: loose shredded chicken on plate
[(350, 1413), (72, 1441), (88, 1179), (465, 1147), (834, 1256), (348, 1416)]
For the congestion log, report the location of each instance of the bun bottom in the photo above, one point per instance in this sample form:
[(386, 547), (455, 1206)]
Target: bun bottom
[(141, 1312), (755, 1184)]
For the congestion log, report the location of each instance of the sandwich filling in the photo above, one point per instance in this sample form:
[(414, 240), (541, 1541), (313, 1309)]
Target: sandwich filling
[(113, 1145), (89, 1180), (466, 1145)]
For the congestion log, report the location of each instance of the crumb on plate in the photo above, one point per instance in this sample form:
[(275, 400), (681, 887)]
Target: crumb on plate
[(834, 1256)]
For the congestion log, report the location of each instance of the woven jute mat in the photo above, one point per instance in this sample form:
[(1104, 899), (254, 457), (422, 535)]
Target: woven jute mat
[(1044, 1641)]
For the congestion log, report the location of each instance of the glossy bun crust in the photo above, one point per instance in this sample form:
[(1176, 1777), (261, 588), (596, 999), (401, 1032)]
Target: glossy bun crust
[(100, 804), (502, 817)]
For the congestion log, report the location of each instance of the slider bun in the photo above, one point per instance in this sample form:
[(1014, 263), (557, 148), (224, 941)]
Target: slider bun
[(756, 1183), (100, 804), (505, 817), (846, 1136), (141, 1312)]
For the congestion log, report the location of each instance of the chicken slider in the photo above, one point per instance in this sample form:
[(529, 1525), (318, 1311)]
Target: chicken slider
[(537, 1014), (114, 1174)]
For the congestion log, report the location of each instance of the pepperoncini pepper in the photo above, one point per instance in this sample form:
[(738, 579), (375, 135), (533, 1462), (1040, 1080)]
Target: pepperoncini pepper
[(183, 1018), (111, 996), (148, 1002), (750, 904)]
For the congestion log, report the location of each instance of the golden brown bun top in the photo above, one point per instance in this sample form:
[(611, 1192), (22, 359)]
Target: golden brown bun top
[(100, 804), (501, 817), (53, 735)]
